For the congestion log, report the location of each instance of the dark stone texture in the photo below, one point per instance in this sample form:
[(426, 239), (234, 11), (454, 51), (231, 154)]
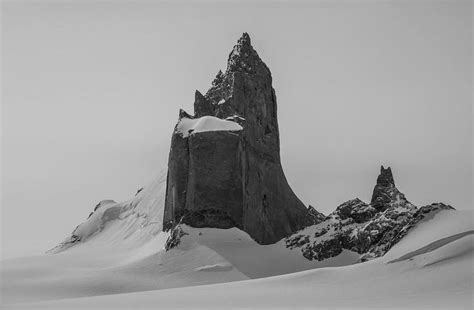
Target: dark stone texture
[(184, 114), (204, 183), (385, 190), (235, 179), (368, 229), (355, 209), (201, 105), (393, 236), (317, 216)]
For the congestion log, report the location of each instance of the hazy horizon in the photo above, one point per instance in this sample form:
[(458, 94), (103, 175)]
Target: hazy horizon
[(91, 93)]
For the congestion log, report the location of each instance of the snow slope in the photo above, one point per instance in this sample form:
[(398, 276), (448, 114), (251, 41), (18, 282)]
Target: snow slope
[(120, 249), (123, 226), (438, 277)]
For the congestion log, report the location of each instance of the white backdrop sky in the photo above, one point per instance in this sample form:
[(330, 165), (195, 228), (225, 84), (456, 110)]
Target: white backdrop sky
[(91, 92)]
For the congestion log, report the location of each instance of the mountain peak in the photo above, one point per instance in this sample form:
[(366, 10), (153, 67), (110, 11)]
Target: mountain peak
[(225, 179), (243, 47), (244, 58), (385, 177), (385, 193), (225, 98), (244, 39)]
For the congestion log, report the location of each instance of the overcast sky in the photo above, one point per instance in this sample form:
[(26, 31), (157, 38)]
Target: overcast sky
[(91, 92)]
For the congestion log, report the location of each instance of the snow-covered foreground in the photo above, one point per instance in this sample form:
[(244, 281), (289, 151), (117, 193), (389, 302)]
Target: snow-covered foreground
[(204, 256), (120, 262), (440, 276), (120, 249)]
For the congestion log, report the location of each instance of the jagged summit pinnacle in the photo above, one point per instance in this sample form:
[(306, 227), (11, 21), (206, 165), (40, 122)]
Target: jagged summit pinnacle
[(244, 42), (245, 69), (243, 48), (225, 179), (244, 58), (385, 193), (245, 38), (385, 177)]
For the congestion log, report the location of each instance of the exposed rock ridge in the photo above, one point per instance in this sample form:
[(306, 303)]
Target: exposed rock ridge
[(385, 190), (368, 229), (229, 179)]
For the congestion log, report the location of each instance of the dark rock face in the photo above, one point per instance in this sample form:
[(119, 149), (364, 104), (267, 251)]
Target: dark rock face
[(385, 190), (393, 237), (317, 216), (368, 229), (202, 106), (356, 210), (229, 179), (205, 187)]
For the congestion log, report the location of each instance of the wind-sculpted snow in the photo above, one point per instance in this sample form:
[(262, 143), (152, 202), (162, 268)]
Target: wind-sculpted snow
[(106, 263), (131, 223), (433, 246), (438, 279), (121, 248)]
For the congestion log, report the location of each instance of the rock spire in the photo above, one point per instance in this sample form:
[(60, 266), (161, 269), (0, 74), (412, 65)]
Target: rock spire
[(222, 178)]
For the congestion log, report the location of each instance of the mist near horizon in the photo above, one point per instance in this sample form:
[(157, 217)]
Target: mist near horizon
[(91, 94)]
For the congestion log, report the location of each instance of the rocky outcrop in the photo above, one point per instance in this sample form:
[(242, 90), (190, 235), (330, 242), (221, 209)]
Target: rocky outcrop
[(385, 191), (317, 216), (355, 210), (409, 223), (174, 238), (233, 178), (368, 229)]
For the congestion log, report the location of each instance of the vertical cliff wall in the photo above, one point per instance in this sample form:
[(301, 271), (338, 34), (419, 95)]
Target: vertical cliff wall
[(224, 165)]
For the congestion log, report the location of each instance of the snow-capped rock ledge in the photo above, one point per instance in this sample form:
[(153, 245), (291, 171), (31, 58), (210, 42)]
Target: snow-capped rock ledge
[(188, 126)]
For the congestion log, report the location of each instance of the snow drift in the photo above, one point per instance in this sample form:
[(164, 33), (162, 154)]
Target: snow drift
[(386, 282)]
